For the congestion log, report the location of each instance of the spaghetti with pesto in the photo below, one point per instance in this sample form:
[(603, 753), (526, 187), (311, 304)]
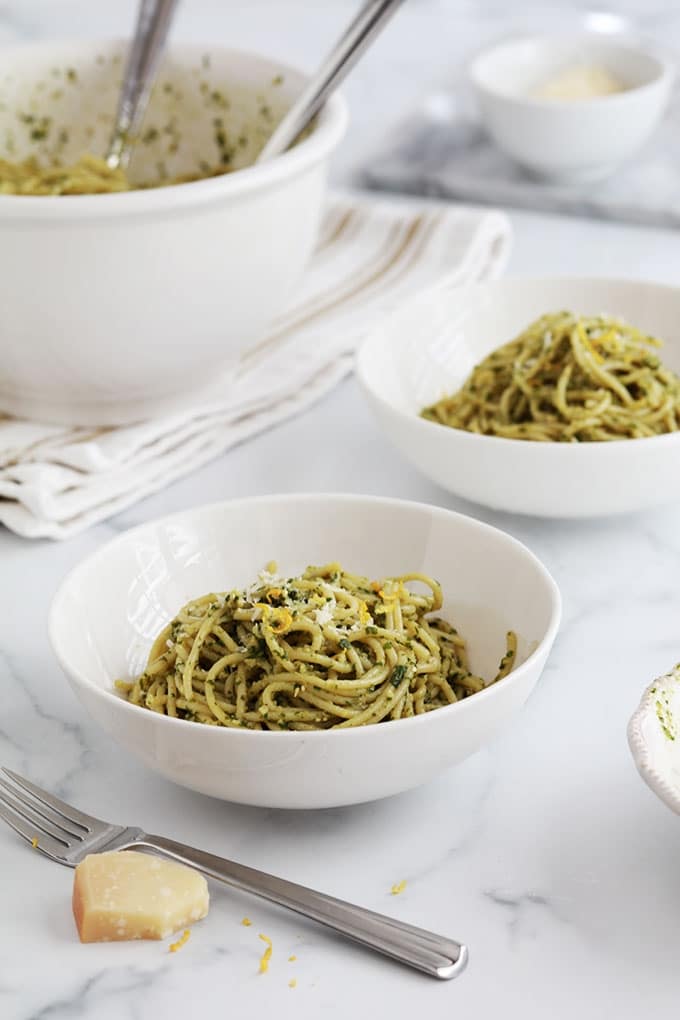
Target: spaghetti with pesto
[(567, 379), (327, 649), (90, 175)]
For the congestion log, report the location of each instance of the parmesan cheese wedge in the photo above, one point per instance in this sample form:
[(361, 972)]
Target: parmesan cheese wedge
[(127, 895)]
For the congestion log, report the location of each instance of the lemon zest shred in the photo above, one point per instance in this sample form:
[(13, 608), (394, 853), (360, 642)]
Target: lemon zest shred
[(267, 955), (587, 342), (292, 959), (364, 615), (282, 621), (175, 946), (609, 337), (246, 922), (278, 619), (398, 887), (292, 983), (34, 842)]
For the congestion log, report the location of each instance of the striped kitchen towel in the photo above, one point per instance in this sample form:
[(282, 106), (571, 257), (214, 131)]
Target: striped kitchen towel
[(56, 481)]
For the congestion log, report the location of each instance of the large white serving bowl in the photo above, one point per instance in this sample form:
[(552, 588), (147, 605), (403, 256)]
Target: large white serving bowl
[(108, 610), (570, 139), (429, 346), (653, 738), (118, 307)]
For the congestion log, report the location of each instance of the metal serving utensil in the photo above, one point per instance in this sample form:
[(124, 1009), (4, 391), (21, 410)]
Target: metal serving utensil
[(67, 836), (364, 28), (153, 24)]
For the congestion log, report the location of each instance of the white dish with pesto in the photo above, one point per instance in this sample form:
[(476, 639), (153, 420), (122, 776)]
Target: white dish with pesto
[(117, 307), (428, 347), (654, 738), (110, 609)]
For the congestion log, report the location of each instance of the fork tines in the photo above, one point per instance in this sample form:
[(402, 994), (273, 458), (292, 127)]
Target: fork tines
[(45, 821)]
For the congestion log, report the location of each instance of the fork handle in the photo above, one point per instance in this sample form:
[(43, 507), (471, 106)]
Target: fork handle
[(433, 954)]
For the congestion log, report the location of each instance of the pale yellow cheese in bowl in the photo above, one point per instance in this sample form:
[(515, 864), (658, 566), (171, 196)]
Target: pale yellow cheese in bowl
[(128, 895), (582, 81)]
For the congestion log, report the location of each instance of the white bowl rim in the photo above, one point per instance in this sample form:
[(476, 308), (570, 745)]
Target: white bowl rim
[(639, 748), (109, 696), (665, 71), (615, 446), (330, 127)]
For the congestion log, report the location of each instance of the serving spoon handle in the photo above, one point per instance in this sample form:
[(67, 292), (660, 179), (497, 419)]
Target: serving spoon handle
[(368, 23), (153, 24)]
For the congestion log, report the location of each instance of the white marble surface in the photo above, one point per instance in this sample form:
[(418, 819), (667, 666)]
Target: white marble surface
[(544, 852)]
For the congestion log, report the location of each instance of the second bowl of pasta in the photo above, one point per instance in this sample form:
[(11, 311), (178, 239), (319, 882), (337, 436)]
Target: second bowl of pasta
[(389, 641), (555, 397)]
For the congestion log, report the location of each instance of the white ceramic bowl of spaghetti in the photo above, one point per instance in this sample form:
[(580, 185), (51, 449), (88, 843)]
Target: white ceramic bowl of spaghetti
[(111, 607), (427, 349), (118, 307)]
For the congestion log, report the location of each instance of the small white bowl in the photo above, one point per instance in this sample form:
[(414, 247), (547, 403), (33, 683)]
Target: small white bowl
[(429, 346), (109, 609), (654, 738), (570, 140), (119, 307)]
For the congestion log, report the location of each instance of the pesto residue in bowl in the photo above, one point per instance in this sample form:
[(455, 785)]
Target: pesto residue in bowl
[(197, 126)]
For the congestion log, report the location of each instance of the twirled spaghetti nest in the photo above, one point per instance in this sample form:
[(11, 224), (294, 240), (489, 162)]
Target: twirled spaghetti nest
[(326, 649), (567, 379)]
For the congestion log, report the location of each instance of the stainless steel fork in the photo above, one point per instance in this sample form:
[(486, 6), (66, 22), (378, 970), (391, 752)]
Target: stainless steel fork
[(67, 835)]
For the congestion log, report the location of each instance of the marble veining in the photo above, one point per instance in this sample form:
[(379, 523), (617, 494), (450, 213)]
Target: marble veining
[(544, 852)]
